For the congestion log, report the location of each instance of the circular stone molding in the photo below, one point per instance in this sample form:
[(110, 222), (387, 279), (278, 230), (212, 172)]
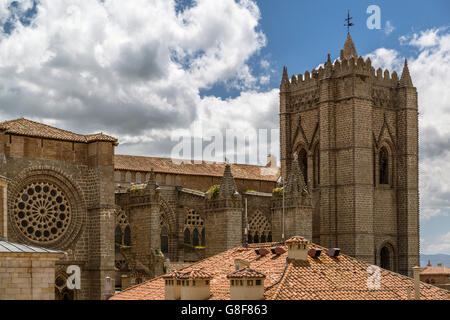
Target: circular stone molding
[(46, 208)]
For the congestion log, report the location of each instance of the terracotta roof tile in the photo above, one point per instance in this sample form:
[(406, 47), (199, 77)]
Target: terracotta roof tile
[(195, 274), (205, 168), (246, 273), (31, 128), (435, 270), (296, 239), (326, 278)]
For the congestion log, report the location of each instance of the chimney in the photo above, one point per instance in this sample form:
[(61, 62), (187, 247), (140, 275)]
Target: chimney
[(195, 285), (277, 250), (314, 252), (241, 264), (261, 251), (333, 252), (297, 248), (416, 272), (246, 284), (172, 285)]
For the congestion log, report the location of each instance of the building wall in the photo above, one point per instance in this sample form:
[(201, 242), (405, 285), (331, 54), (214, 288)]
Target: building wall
[(84, 174), (27, 276)]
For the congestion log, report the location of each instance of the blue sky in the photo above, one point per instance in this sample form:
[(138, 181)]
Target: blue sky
[(148, 70)]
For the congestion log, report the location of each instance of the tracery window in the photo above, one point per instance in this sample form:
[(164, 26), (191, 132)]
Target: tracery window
[(61, 290), (194, 229), (42, 212), (122, 230), (259, 228)]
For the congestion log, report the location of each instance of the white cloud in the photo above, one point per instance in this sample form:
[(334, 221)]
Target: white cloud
[(388, 28), (441, 245), (133, 69), (385, 59)]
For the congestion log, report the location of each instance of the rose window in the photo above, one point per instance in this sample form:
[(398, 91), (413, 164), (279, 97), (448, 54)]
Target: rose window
[(42, 212)]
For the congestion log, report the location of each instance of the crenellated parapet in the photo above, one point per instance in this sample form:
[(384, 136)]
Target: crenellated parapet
[(303, 90)]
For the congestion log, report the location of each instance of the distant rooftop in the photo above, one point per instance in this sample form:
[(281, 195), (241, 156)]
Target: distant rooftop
[(205, 168)]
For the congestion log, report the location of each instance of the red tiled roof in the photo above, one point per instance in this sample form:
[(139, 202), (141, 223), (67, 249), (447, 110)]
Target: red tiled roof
[(195, 274), (246, 273), (435, 270), (166, 165), (25, 127), (296, 239), (324, 277)]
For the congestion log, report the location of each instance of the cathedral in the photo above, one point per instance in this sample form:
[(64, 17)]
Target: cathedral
[(348, 179)]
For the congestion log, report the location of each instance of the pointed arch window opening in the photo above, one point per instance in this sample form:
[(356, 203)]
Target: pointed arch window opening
[(187, 236), (383, 163), (195, 238), (164, 240), (385, 258), (303, 162)]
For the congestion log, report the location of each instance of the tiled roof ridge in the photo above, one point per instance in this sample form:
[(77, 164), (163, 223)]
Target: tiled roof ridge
[(196, 274), (282, 280), (192, 161), (77, 137), (246, 272)]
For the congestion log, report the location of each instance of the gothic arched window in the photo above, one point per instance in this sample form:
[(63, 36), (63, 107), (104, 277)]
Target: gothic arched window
[(256, 238), (187, 236), (263, 238), (303, 162), (269, 237), (259, 225), (385, 258), (127, 236), (250, 239), (196, 227), (384, 166), (195, 238), (316, 166), (164, 240), (118, 235)]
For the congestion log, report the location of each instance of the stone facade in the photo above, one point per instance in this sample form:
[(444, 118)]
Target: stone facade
[(61, 196), (355, 133), (27, 276)]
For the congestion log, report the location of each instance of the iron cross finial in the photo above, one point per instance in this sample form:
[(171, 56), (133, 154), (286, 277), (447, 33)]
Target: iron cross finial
[(348, 24)]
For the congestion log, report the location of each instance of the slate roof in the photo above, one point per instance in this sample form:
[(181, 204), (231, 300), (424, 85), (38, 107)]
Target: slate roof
[(323, 278), (25, 127), (166, 165), (11, 247)]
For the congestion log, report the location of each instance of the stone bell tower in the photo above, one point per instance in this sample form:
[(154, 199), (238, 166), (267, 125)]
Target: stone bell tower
[(354, 131)]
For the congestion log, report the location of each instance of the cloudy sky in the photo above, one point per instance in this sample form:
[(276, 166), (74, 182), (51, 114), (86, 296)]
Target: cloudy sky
[(149, 71)]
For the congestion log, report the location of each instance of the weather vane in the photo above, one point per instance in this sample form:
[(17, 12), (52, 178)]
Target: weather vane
[(348, 24)]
